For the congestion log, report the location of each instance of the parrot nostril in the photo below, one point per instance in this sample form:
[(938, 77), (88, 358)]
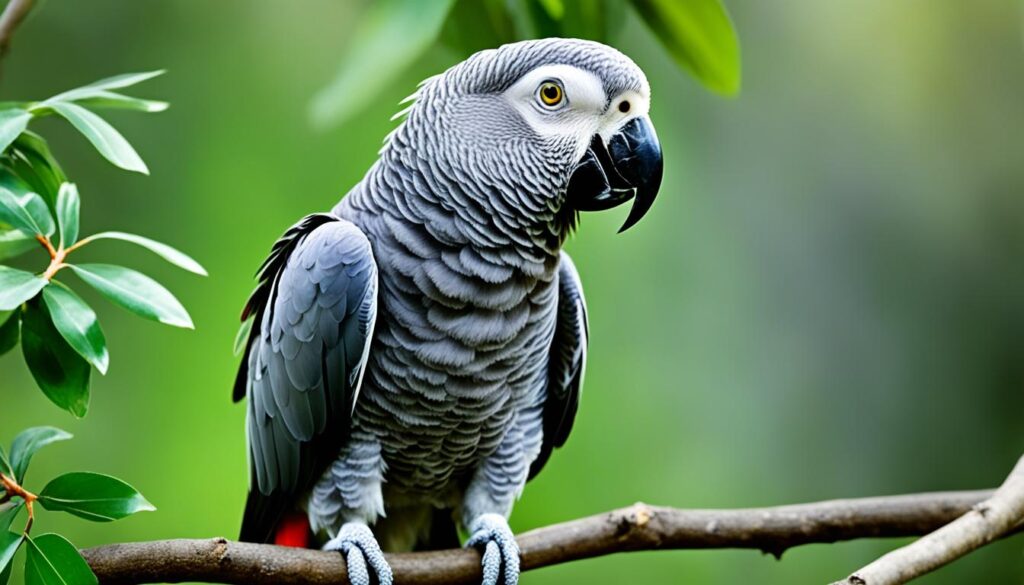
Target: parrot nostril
[(624, 106)]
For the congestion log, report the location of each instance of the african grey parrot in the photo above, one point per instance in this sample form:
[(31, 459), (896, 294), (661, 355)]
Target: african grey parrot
[(417, 353)]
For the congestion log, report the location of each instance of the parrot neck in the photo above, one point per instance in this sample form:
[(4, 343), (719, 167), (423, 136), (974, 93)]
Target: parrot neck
[(499, 221)]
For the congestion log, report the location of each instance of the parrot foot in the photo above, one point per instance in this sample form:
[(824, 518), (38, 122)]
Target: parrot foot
[(362, 553), (491, 534)]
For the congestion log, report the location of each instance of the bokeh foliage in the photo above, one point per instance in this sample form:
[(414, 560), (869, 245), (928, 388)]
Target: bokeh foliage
[(393, 34), (824, 302)]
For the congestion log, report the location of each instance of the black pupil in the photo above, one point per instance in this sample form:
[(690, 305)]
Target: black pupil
[(551, 93), (623, 106)]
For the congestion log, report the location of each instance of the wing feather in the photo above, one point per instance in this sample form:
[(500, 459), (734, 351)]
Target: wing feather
[(313, 310), (566, 363)]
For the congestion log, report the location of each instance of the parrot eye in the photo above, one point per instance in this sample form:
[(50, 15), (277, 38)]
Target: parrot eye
[(550, 94)]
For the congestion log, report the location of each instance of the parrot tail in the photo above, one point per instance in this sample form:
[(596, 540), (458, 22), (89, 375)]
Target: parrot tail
[(293, 531)]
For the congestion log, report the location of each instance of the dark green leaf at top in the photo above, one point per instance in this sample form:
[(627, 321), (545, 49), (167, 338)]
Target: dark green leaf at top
[(77, 323), (52, 560), (27, 213), (9, 543), (93, 496), (17, 286), (136, 292), (12, 124), (68, 205), (103, 136), (10, 332), (700, 37), (60, 372), (28, 442)]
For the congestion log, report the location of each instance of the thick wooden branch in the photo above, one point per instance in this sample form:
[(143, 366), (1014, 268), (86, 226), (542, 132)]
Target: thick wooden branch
[(638, 527), (987, 521)]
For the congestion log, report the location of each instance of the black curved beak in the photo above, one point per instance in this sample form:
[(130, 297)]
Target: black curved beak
[(628, 167)]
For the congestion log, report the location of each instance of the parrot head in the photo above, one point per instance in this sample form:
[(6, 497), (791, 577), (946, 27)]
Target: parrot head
[(548, 128)]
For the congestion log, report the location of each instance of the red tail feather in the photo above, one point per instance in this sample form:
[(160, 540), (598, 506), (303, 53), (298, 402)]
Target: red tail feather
[(293, 531)]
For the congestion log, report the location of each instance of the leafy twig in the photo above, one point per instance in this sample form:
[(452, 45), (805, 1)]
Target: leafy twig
[(13, 488)]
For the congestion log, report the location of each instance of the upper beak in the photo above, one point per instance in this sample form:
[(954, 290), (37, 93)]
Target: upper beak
[(629, 165)]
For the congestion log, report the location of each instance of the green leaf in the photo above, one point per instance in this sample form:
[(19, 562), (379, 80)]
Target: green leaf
[(15, 243), (10, 332), (17, 286), (52, 560), (12, 124), (9, 543), (474, 25), (5, 575), (700, 37), (5, 463), (95, 497), (554, 8), (77, 323), (111, 100), (32, 164), (103, 136), (136, 292), (163, 250), (68, 205), (27, 213), (8, 512), (60, 372), (115, 82), (391, 35), (242, 337), (28, 442)]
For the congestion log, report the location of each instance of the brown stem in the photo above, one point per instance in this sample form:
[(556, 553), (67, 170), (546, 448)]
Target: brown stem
[(57, 257), (14, 489), (638, 527), (45, 241), (13, 15)]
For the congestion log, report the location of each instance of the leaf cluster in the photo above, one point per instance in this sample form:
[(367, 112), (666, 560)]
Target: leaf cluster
[(51, 558), (60, 334)]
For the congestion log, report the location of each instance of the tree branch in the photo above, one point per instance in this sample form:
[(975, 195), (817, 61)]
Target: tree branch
[(987, 521), (14, 13), (638, 527)]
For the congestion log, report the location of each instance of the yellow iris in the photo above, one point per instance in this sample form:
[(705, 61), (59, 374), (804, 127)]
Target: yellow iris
[(550, 93)]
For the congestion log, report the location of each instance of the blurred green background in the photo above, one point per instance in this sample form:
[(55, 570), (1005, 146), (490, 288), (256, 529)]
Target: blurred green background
[(827, 300)]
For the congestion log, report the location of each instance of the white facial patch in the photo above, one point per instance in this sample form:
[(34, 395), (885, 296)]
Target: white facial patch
[(584, 109), (578, 113)]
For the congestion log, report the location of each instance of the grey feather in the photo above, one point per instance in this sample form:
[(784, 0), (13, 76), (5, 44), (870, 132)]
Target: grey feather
[(316, 308), (474, 367)]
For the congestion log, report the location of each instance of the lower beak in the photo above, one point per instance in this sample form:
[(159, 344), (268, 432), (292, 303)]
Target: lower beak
[(628, 167)]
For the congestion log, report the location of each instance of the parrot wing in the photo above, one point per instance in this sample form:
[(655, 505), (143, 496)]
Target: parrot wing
[(314, 311), (566, 363)]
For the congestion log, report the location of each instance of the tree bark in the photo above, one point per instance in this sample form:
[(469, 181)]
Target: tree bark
[(989, 520), (638, 527)]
